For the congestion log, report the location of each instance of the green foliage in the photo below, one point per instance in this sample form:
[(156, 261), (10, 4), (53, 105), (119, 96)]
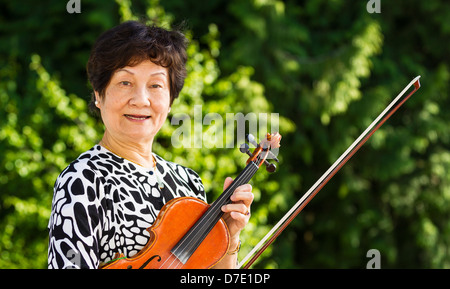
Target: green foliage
[(328, 68)]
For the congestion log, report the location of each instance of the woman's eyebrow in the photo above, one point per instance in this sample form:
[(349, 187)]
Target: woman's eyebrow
[(132, 73), (126, 70), (158, 73)]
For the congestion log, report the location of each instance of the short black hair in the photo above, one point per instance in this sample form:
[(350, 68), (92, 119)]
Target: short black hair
[(129, 44)]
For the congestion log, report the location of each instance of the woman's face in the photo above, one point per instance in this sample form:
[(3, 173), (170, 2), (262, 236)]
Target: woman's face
[(136, 102)]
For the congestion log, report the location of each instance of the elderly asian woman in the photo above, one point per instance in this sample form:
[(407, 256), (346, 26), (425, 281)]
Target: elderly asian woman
[(105, 200)]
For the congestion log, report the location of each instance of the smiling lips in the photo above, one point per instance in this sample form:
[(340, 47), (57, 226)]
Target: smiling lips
[(137, 117)]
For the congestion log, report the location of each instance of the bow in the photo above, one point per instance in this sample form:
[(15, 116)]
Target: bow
[(323, 180)]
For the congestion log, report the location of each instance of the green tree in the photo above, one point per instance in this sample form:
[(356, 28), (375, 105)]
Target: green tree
[(328, 68)]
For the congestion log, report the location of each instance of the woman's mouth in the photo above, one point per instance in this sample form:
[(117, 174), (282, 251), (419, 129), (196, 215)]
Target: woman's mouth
[(137, 117)]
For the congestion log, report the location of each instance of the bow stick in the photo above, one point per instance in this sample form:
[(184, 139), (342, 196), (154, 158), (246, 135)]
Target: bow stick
[(298, 207)]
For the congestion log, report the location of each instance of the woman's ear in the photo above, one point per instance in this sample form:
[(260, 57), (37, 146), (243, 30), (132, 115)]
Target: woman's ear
[(97, 99)]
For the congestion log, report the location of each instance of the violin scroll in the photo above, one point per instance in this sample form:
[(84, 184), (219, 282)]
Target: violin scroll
[(262, 150)]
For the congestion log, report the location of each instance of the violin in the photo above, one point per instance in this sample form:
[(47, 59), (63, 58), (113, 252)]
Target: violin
[(191, 234)]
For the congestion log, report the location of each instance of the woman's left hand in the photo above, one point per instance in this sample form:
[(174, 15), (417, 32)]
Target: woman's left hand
[(237, 213)]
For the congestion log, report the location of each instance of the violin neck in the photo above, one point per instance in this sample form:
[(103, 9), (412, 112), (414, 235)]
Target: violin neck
[(187, 245), (243, 178)]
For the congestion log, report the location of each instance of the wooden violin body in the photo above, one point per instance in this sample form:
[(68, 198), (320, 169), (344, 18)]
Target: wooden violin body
[(173, 222)]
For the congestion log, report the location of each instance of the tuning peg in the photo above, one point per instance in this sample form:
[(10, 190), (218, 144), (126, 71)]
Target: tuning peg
[(270, 167), (251, 139), (244, 148)]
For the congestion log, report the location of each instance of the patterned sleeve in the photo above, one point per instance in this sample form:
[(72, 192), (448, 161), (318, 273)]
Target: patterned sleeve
[(76, 219)]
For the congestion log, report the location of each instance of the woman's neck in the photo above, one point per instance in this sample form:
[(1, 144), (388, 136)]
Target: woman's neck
[(138, 153)]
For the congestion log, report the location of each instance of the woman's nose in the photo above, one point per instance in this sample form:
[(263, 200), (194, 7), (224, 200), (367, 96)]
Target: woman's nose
[(140, 97)]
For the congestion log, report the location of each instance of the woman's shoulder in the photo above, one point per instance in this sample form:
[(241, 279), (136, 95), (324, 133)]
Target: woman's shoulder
[(98, 160), (84, 163)]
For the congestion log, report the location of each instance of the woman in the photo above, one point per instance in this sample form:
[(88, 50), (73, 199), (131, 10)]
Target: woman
[(106, 199)]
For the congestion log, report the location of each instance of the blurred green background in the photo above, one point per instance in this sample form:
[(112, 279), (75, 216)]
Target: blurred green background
[(328, 68)]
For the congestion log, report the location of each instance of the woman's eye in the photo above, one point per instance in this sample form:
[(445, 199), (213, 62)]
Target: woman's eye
[(155, 86), (125, 83)]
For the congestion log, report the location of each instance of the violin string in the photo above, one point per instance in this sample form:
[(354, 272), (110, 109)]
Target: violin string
[(194, 237), (175, 259)]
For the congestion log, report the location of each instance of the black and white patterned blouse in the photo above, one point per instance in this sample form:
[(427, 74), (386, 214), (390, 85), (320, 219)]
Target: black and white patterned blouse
[(103, 204)]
